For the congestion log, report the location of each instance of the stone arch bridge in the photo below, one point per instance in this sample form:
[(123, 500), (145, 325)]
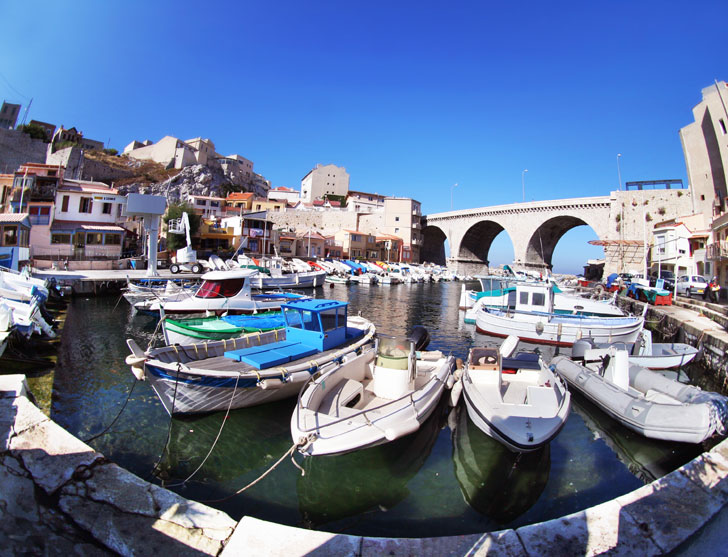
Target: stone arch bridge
[(534, 229)]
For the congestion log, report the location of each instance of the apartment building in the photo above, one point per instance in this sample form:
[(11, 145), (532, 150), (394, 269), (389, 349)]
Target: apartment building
[(324, 180), (9, 115)]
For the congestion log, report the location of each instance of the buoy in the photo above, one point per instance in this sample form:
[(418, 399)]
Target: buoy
[(455, 392)]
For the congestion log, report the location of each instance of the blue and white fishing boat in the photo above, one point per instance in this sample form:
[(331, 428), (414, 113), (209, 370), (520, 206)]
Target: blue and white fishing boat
[(204, 329), (255, 368), (530, 316)]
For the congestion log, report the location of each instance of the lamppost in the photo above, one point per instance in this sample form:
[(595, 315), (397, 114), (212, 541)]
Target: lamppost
[(451, 190), (523, 183), (619, 172)]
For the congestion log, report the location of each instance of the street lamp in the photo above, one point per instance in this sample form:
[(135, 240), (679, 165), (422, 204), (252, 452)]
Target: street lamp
[(523, 184), (451, 189), (619, 172)]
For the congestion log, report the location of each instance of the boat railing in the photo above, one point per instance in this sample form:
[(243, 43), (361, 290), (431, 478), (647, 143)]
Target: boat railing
[(318, 427)]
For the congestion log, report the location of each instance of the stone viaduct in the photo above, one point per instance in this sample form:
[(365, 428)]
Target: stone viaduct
[(534, 229)]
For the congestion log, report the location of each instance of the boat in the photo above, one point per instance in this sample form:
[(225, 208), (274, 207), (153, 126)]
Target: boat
[(223, 292), (516, 400), (644, 401), (380, 395), (531, 318), (203, 329), (255, 368), (278, 279), (500, 292), (337, 279), (154, 291), (655, 355)]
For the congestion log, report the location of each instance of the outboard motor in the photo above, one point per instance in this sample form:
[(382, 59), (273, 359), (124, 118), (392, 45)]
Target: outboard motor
[(420, 337), (579, 348)]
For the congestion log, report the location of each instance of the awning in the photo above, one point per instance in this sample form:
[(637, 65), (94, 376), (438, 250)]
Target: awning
[(71, 226)]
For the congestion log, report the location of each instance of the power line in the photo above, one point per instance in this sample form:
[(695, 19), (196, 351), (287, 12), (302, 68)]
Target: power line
[(5, 79)]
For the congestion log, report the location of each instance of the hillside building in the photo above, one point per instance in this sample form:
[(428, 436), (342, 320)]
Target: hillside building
[(9, 115), (324, 180)]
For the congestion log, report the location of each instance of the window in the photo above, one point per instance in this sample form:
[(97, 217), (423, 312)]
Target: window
[(396, 219), (85, 205), (64, 204), (523, 298), (538, 299), (202, 202), (60, 239), (94, 238), (39, 214), (106, 209), (219, 288), (112, 240), (722, 125), (10, 235)]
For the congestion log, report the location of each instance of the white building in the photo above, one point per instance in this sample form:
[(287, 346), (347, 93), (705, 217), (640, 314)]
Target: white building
[(324, 180), (281, 193)]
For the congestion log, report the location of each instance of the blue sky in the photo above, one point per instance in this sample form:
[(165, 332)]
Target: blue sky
[(410, 97)]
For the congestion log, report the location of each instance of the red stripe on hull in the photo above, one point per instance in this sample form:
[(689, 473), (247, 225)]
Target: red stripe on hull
[(533, 340)]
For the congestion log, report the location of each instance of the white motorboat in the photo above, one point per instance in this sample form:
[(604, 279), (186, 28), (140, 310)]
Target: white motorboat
[(375, 397), (278, 278), (162, 291), (642, 400), (654, 355), (255, 368), (223, 292), (531, 318), (517, 400)]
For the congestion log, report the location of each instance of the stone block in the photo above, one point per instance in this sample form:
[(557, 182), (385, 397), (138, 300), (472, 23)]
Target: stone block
[(600, 529), (504, 543), (13, 386), (259, 538), (670, 509), (51, 454), (112, 484), (133, 534), (709, 471), (27, 415)]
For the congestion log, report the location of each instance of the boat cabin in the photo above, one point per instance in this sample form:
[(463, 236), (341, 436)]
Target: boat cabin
[(312, 327), (532, 298), (224, 284)]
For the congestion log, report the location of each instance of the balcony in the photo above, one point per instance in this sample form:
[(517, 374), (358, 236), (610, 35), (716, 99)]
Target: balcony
[(718, 251)]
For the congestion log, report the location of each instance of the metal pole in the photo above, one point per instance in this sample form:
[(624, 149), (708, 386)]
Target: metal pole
[(523, 184), (619, 172)]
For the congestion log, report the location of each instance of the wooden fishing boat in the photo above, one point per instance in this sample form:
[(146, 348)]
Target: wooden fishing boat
[(201, 329), (531, 318), (255, 368)]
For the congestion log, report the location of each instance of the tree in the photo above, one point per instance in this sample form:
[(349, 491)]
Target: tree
[(174, 211), (35, 131)]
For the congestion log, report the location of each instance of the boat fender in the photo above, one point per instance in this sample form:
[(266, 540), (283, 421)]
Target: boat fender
[(457, 390), (450, 381), (430, 356), (401, 429)]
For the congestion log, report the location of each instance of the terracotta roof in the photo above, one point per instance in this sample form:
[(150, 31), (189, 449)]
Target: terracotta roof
[(239, 195)]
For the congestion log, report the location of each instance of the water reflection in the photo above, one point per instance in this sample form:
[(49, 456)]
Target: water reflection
[(408, 488), (495, 481), (358, 489)]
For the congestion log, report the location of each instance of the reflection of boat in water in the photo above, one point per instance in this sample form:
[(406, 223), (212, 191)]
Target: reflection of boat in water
[(342, 486), (495, 481), (648, 459)]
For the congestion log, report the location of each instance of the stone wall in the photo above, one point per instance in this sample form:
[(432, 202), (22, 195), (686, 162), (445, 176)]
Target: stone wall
[(326, 223), (17, 148)]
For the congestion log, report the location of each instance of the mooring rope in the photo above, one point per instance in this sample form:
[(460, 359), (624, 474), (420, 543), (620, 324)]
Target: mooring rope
[(169, 429), (302, 442), (128, 396), (217, 438)]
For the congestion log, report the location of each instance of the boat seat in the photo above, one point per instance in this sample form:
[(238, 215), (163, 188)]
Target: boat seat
[(335, 401), (524, 360), (273, 354), (661, 398), (543, 397)]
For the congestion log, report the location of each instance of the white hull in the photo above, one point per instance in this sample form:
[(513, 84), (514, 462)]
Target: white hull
[(309, 279), (651, 404), (332, 427), (558, 330)]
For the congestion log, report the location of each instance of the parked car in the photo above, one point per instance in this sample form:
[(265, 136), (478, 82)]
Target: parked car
[(687, 285), (668, 278)]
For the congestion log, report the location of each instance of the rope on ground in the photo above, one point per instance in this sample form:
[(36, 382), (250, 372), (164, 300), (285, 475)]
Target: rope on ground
[(217, 438), (128, 396), (302, 442)]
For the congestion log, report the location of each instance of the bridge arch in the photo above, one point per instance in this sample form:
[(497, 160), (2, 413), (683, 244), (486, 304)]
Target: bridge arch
[(542, 243), (476, 242), (433, 245)]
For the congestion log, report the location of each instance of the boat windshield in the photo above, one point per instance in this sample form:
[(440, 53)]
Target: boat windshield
[(301, 319), (220, 288)]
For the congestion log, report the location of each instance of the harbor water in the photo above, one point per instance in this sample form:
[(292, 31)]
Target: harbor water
[(446, 479)]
